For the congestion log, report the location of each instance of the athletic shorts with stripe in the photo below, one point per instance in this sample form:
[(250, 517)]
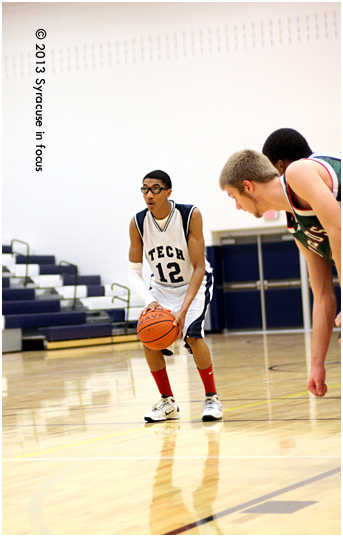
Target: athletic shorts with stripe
[(172, 297)]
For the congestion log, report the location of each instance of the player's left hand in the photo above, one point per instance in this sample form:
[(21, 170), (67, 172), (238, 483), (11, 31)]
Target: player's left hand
[(180, 321), (316, 383)]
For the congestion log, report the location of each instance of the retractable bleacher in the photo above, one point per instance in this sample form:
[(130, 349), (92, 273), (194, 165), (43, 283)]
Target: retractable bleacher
[(49, 306)]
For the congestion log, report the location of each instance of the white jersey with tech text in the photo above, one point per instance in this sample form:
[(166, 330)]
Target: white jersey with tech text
[(166, 247)]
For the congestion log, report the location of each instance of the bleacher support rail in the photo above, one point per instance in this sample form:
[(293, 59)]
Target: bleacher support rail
[(127, 300), (27, 257), (76, 278)]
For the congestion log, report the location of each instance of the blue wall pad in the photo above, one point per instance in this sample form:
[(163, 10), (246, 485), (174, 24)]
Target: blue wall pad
[(5, 282), (334, 271), (95, 290), (339, 297), (44, 319), (240, 262), (6, 249), (214, 256), (243, 310), (35, 259), (56, 269), (116, 315), (217, 309), (280, 260), (82, 331), (337, 289), (283, 308), (81, 280), (17, 307), (18, 294)]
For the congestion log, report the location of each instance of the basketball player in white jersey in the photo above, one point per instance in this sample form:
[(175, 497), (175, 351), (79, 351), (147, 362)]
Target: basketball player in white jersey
[(171, 237)]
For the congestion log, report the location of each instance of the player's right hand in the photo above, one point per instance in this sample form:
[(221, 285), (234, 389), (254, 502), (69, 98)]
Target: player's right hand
[(316, 383), (151, 307)]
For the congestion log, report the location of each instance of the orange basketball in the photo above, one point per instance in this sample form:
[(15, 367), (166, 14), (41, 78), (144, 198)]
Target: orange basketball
[(155, 329)]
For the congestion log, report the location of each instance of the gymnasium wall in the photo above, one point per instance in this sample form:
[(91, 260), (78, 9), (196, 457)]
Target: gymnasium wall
[(131, 87)]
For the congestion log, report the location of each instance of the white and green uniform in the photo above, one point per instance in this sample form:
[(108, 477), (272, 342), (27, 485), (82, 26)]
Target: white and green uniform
[(303, 223), (166, 250)]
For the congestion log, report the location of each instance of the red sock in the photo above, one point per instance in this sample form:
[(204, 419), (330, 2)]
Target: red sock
[(207, 378), (162, 381)]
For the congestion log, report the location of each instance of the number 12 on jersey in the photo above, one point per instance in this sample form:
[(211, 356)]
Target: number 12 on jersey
[(173, 271)]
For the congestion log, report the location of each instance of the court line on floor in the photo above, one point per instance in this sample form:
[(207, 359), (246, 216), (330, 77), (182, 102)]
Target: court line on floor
[(141, 430), (35, 509), (274, 400), (81, 442), (175, 458), (250, 503), (39, 525)]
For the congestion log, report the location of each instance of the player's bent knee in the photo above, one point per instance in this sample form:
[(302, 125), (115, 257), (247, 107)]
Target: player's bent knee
[(194, 341)]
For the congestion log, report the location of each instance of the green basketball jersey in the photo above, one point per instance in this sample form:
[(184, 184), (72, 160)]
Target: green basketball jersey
[(304, 224)]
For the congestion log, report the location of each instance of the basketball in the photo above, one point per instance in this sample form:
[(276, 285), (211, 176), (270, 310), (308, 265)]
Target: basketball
[(155, 329)]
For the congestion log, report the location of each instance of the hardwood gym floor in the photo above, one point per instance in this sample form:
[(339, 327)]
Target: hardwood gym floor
[(78, 458)]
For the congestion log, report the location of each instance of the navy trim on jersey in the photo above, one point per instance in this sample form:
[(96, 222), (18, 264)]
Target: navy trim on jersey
[(186, 212), (194, 329), (139, 219)]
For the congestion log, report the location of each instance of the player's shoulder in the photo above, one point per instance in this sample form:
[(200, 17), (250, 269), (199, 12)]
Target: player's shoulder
[(185, 209), (140, 216), (183, 206), (186, 212), (139, 220), (296, 169), (141, 213)]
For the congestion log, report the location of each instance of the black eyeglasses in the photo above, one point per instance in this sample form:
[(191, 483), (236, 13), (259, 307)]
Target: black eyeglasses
[(155, 189)]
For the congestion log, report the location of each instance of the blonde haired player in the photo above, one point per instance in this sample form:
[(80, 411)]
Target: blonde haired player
[(310, 193)]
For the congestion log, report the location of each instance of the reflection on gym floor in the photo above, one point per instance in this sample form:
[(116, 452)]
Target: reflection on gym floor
[(78, 458)]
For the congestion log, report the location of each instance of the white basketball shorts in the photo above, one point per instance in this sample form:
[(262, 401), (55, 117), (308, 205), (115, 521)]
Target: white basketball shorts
[(172, 297)]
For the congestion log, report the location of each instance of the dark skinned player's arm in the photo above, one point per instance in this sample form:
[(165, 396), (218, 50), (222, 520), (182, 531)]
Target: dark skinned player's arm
[(196, 247)]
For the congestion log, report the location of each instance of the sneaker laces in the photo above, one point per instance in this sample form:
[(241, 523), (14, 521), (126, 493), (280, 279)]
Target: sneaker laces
[(210, 402), (160, 404)]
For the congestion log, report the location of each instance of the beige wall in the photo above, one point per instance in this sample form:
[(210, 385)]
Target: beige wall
[(130, 87)]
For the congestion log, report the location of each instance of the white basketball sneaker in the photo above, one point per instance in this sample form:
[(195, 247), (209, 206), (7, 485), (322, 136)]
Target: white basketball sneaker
[(165, 409), (212, 409)]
